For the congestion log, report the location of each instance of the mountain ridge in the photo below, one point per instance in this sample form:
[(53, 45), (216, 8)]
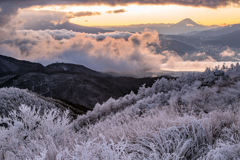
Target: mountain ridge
[(73, 84), (184, 26), (187, 21)]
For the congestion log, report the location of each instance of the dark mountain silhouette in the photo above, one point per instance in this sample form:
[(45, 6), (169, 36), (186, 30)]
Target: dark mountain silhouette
[(10, 65), (73, 84)]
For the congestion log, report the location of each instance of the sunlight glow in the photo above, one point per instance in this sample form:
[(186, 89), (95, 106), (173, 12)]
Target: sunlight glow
[(143, 14)]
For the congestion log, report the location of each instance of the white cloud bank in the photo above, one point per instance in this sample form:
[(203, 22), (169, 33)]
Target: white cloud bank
[(227, 53), (122, 52)]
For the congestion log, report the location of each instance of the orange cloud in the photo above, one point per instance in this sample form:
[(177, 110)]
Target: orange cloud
[(116, 11), (83, 14)]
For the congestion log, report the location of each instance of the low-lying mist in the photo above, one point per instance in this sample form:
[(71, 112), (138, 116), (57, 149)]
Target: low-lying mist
[(119, 52)]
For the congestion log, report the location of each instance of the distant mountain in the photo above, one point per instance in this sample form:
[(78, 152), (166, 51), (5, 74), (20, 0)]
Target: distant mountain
[(139, 27), (78, 28), (185, 26), (187, 22), (66, 25), (177, 46), (219, 37), (230, 39), (210, 34), (73, 84)]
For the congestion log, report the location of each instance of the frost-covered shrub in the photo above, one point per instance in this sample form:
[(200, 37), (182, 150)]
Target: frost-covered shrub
[(193, 92), (195, 116), (28, 134), (97, 150), (12, 98)]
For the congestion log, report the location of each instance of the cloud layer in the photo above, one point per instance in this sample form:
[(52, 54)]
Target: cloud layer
[(117, 11), (83, 14), (121, 52), (207, 3)]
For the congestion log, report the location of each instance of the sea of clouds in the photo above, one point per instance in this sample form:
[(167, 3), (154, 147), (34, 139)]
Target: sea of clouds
[(120, 52)]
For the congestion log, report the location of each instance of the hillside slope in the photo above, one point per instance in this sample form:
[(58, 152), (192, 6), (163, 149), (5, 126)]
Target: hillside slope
[(74, 84), (195, 116), (12, 98)]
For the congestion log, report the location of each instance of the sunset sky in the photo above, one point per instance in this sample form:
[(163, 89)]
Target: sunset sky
[(105, 15), (126, 12)]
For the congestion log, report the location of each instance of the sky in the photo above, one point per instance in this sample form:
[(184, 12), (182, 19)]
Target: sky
[(103, 15), (125, 12), (122, 52)]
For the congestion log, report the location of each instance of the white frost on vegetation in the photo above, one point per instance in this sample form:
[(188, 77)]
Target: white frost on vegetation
[(195, 116)]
